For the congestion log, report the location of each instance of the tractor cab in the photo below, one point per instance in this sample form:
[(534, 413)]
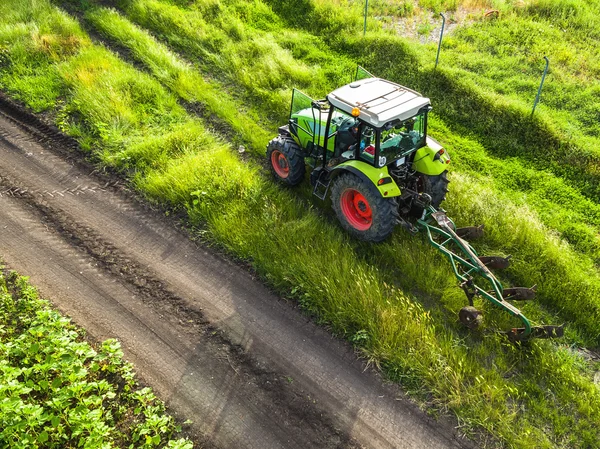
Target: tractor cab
[(390, 120), (368, 138), (370, 120)]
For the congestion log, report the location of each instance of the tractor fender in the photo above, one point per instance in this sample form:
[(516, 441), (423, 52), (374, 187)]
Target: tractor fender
[(379, 177), (431, 159)]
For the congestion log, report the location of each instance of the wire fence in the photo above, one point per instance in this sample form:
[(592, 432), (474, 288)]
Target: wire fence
[(437, 57)]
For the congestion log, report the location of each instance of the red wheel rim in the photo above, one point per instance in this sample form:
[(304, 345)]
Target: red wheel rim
[(356, 209), (280, 164)]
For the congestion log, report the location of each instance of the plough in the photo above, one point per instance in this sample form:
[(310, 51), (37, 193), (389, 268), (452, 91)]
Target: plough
[(468, 267)]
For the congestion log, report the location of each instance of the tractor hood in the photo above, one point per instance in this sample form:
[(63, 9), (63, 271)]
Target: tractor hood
[(379, 101)]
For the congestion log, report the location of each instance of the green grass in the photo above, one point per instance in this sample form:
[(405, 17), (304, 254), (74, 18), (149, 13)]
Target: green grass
[(510, 177), (485, 100), (35, 46), (257, 62), (500, 125), (57, 391), (167, 20), (541, 395), (179, 76)]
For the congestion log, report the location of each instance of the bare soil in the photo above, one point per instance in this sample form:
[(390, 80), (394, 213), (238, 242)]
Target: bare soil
[(425, 27), (246, 367)]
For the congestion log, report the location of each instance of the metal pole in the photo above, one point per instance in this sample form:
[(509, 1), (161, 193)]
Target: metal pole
[(440, 43), (537, 97), (365, 26)]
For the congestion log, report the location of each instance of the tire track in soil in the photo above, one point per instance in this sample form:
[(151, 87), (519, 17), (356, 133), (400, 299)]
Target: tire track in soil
[(246, 367)]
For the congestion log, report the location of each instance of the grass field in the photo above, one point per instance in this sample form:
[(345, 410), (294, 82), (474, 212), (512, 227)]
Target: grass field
[(211, 75)]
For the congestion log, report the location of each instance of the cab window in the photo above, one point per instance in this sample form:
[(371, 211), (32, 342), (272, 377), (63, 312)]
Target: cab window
[(400, 138), (367, 143)]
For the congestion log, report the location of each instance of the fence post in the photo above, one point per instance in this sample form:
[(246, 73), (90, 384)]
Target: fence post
[(365, 26), (440, 43), (537, 97)]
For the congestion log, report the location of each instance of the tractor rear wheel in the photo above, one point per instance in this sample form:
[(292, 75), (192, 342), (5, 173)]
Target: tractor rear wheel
[(286, 161), (361, 209), (435, 186)]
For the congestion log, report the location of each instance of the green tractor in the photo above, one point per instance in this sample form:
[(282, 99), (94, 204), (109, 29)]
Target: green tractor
[(366, 146)]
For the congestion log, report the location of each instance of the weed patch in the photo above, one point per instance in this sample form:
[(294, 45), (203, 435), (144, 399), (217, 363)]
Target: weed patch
[(58, 391)]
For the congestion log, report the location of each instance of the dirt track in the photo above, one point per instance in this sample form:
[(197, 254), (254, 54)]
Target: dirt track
[(246, 367)]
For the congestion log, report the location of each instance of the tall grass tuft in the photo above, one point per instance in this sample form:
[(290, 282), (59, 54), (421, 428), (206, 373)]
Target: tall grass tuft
[(178, 75)]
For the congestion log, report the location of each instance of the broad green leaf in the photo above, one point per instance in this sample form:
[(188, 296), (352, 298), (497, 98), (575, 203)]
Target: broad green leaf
[(43, 437)]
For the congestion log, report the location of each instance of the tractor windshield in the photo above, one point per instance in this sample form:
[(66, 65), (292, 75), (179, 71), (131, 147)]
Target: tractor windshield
[(400, 138)]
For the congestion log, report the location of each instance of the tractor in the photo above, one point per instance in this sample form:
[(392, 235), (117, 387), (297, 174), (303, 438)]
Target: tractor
[(367, 145), (367, 148)]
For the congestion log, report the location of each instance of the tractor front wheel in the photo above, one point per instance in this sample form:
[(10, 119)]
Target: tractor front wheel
[(361, 209), (286, 161), (435, 186)]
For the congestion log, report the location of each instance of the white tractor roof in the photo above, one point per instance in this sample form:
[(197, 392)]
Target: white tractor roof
[(378, 100)]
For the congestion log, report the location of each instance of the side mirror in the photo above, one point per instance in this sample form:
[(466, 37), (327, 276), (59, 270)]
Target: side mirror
[(320, 104)]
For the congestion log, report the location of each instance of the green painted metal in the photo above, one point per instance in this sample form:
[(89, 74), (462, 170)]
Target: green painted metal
[(366, 10), (307, 131), (373, 174), (426, 163), (539, 92), (466, 265), (437, 58)]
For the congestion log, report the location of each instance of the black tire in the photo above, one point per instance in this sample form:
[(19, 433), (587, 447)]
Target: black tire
[(286, 160), (436, 186), (361, 209), (470, 317)]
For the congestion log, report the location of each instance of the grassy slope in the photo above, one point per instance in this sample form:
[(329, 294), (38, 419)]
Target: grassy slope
[(56, 391), (516, 395), (561, 206), (505, 57), (568, 210), (485, 86)]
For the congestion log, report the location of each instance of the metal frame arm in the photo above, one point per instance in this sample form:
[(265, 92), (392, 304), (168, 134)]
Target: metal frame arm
[(466, 263)]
